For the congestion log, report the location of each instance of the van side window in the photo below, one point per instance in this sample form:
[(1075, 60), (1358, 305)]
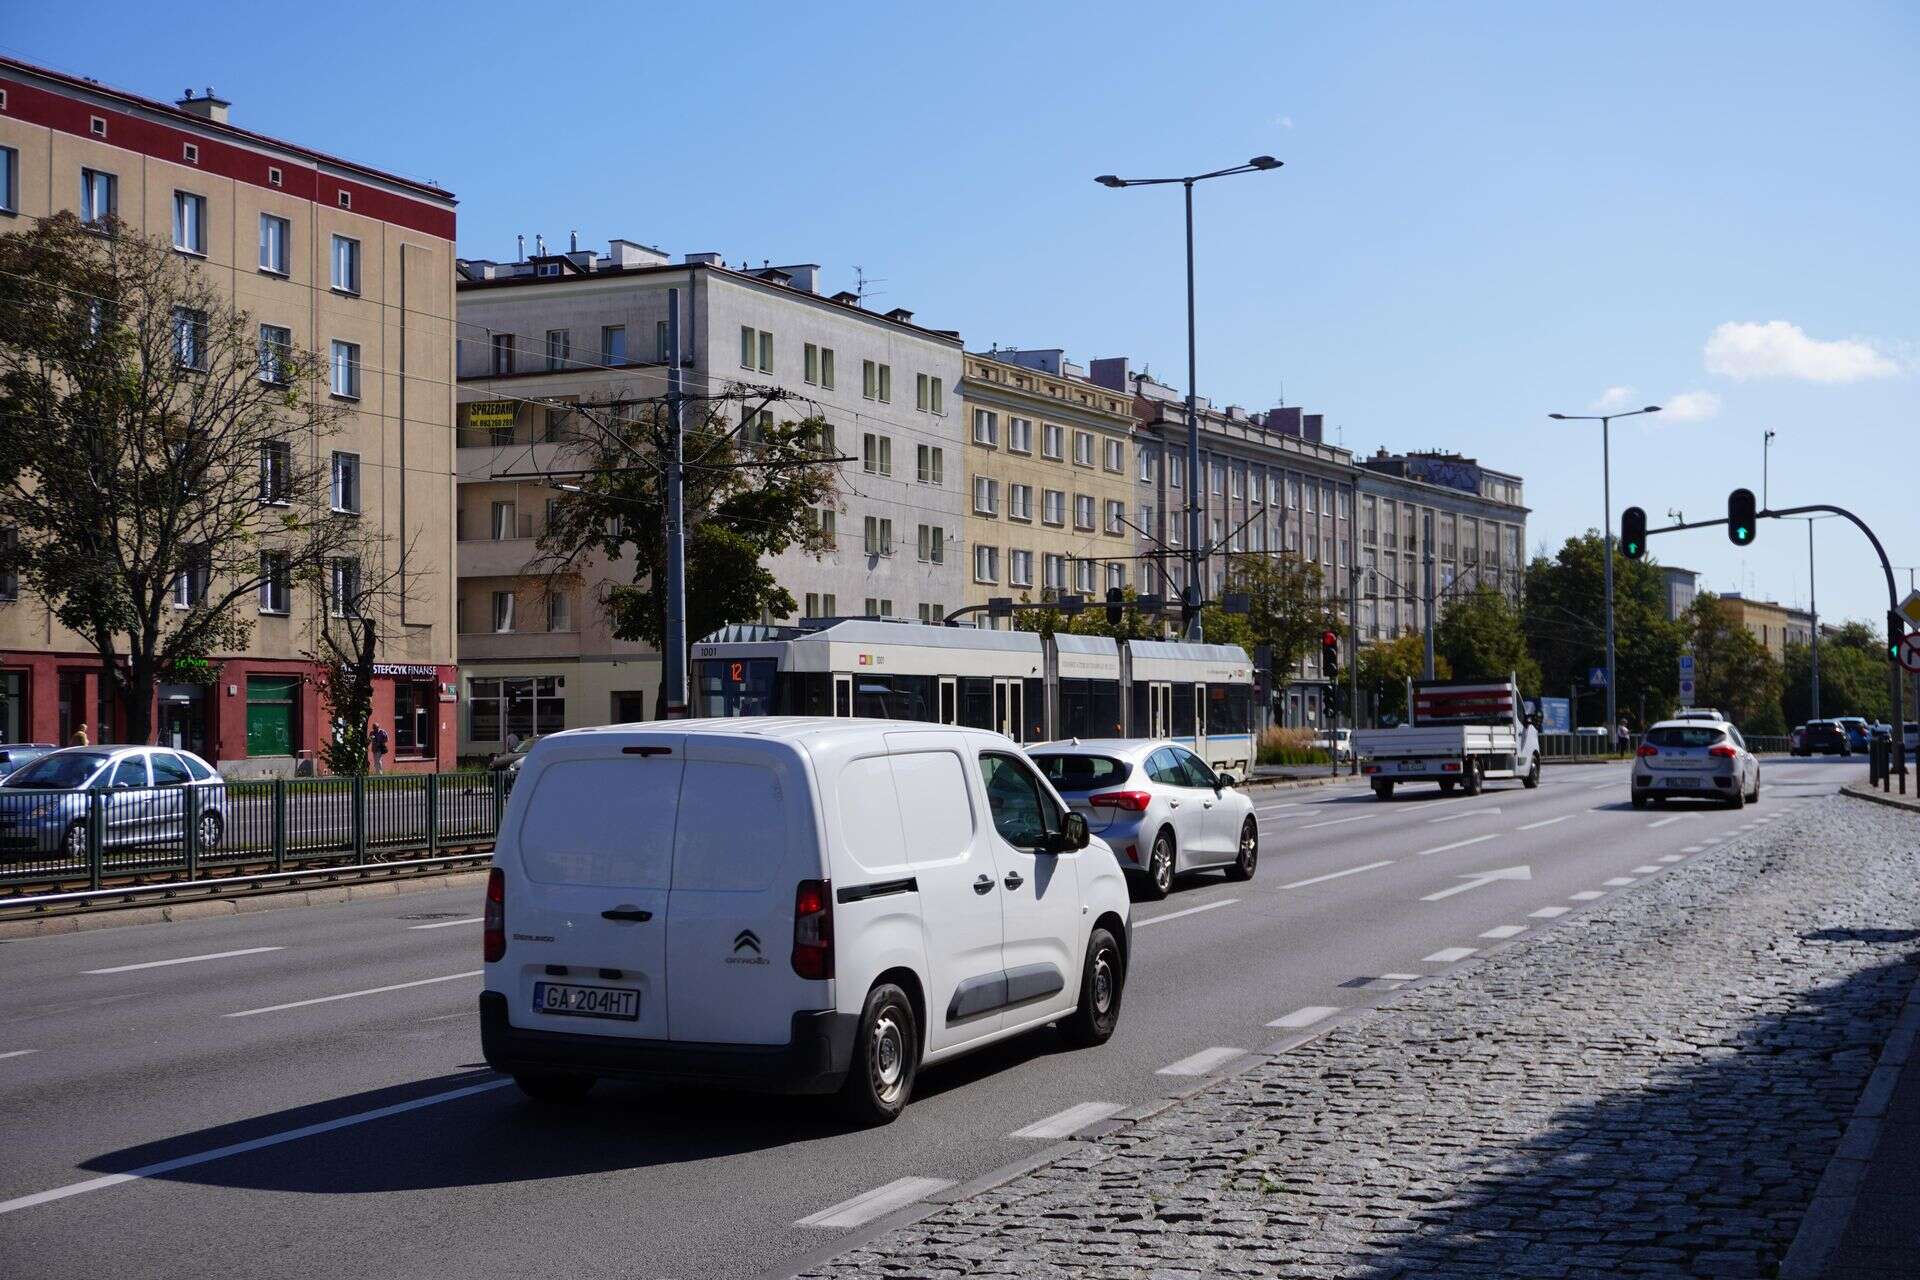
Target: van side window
[(1022, 813)]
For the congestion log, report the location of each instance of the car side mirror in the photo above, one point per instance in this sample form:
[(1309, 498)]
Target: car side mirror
[(1221, 781), (1073, 834)]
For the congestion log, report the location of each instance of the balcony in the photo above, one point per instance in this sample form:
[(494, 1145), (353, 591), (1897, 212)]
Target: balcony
[(495, 557), (484, 646)]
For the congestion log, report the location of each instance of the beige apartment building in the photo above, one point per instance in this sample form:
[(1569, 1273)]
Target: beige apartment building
[(328, 255), (1768, 622), (1048, 482)]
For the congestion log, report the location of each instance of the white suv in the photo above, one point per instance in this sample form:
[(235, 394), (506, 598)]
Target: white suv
[(805, 905)]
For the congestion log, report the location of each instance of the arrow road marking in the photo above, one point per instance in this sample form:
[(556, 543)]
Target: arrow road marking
[(1480, 878), (1458, 844)]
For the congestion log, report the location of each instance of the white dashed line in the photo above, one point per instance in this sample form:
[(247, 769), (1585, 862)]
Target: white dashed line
[(1549, 913), (1604, 786), (1505, 931), (1472, 813), (1459, 844), (447, 924), (1647, 870), (1618, 882), (349, 995), (1305, 1017), (1535, 826), (1695, 848), (1585, 895), (161, 964), (1274, 808), (1337, 822), (1335, 875), (1201, 1063), (877, 1203), (1400, 977), (1066, 1123), (1449, 955), (1190, 911), (1672, 857), (1667, 822), (18, 1053)]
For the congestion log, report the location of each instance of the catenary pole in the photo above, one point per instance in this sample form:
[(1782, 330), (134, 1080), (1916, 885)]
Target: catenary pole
[(674, 660)]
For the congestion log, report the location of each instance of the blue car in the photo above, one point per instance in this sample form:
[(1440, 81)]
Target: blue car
[(44, 804)]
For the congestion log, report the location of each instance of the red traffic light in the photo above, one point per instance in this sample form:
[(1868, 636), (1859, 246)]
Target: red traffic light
[(1328, 639)]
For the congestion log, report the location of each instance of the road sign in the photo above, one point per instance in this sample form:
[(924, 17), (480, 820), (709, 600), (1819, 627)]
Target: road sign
[(1910, 652), (1910, 607), (1597, 677), (1686, 691), (1686, 666)]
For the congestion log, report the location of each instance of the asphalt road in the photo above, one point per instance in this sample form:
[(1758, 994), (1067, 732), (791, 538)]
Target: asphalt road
[(337, 1049)]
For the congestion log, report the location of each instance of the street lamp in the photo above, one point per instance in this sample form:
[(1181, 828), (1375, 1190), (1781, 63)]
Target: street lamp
[(1196, 558), (1606, 489)]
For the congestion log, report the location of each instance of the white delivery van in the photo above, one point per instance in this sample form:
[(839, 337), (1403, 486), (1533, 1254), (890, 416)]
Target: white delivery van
[(798, 904)]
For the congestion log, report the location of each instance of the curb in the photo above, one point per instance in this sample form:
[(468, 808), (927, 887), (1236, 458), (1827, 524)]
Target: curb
[(206, 908), (1833, 1199), (1859, 792)]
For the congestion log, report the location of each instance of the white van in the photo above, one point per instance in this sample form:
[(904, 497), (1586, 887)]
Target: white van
[(800, 904)]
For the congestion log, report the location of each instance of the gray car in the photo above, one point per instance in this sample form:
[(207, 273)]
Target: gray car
[(1695, 759), (44, 804)]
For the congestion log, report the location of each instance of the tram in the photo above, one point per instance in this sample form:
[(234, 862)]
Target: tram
[(1029, 687)]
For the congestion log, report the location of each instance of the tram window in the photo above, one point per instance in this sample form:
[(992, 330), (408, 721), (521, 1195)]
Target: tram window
[(1034, 704), (804, 693), (1182, 711), (1142, 724), (976, 702), (894, 697), (1089, 709), (948, 711), (842, 698), (1229, 708), (736, 687)]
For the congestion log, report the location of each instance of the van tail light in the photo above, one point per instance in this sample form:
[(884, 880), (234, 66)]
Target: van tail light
[(1131, 801), (1723, 751), (1451, 766), (1369, 768), (813, 929), (1646, 750), (493, 928)]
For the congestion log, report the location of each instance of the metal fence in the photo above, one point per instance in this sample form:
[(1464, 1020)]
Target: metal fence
[(1576, 746), (185, 832)]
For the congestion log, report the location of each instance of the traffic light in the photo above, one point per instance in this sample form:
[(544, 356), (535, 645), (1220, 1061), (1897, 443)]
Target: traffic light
[(1742, 518), (1896, 634), (1116, 606), (1633, 533), (1330, 654)]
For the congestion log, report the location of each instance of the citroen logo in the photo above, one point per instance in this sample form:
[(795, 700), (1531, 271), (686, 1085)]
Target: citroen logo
[(746, 940)]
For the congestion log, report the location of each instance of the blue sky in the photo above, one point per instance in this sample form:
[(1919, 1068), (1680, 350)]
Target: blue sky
[(1488, 211)]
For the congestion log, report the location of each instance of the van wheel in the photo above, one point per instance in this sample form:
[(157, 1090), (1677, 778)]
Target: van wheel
[(554, 1089), (1241, 868), (1446, 786), (1101, 980), (1532, 781), (1470, 781), (1159, 878), (886, 1057)]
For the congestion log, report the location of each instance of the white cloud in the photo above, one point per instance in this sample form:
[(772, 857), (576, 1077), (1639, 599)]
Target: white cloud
[(1777, 349), (1612, 398), (1285, 122), (1689, 406)]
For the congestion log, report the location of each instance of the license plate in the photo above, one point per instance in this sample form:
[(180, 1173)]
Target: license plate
[(1684, 784), (586, 1002)]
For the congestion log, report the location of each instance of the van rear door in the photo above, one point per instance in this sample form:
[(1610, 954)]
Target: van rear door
[(746, 837), (594, 842)]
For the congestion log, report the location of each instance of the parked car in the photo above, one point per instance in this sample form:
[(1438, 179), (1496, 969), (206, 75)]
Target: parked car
[(1157, 805), (44, 804), (15, 754), (1824, 737), (802, 905), (510, 760), (1694, 759)]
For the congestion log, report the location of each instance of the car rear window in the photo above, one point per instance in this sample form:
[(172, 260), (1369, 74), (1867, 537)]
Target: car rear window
[(1082, 773), (1677, 737)]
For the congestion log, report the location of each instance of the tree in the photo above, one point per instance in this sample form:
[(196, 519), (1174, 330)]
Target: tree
[(744, 499), (1732, 670), (1563, 612), (159, 463), (1387, 665), (357, 598), (1046, 619), (1480, 636), (1288, 610), (1853, 676)]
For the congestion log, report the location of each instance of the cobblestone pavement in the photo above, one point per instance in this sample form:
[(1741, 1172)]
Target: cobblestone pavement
[(1653, 1088)]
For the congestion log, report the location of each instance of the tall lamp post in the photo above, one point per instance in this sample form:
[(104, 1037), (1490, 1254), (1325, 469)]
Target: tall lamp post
[(1196, 555), (1606, 490)]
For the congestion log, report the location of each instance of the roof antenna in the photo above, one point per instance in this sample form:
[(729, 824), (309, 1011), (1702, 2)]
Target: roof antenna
[(861, 283)]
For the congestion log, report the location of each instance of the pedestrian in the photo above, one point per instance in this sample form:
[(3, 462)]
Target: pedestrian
[(513, 742), (80, 736), (1623, 737), (379, 739)]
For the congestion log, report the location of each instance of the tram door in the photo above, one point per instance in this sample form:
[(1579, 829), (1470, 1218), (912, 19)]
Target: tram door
[(1160, 702), (1006, 707), (843, 695), (949, 701)]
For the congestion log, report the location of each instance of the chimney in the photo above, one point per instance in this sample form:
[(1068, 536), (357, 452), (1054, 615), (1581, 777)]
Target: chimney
[(900, 315), (207, 108), (1111, 373), (539, 245), (520, 248), (705, 260), (804, 276), (1312, 427), (1285, 420), (573, 242)]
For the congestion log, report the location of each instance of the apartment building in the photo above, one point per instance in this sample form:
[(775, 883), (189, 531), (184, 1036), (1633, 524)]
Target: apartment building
[(330, 255), (1049, 484), (1680, 587), (1773, 624), (584, 327)]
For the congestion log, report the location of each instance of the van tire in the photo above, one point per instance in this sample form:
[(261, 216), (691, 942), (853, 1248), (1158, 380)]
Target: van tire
[(1532, 781), (1383, 789), (1446, 786), (1157, 883), (554, 1088), (1103, 979), (1470, 783), (886, 1058), (1242, 867)]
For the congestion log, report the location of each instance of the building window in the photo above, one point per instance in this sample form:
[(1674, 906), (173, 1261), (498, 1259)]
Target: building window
[(660, 353), (878, 607), (1053, 506), (754, 425), (190, 584), (1116, 456), (99, 196), (933, 614), (275, 177), (1019, 568), (1050, 441), (276, 348), (1020, 435), (1116, 516), (190, 223), (346, 265), (756, 349), (9, 580), (9, 180), (933, 544), (1146, 467), (345, 370), (346, 483), (559, 349), (930, 463), (190, 338), (1176, 471), (275, 235), (986, 564), (1082, 449), (828, 521), (876, 454), (276, 589), (502, 353), (502, 618), (986, 427), (986, 496), (1083, 571), (276, 471), (876, 381), (1082, 511), (346, 199), (1019, 502), (926, 394), (523, 707), (1054, 569), (879, 536), (559, 611), (810, 363), (1116, 577), (613, 344), (819, 366)]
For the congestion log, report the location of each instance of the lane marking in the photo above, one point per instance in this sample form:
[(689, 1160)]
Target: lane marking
[(1336, 822), (161, 964), (1667, 822), (1449, 955), (1535, 826), (1350, 871), (1585, 895), (241, 1148), (1199, 1064), (1064, 1124), (447, 924), (18, 1053), (1459, 844), (1695, 848), (1647, 870), (1549, 913), (350, 995), (1618, 882), (1604, 786), (1305, 1017), (1400, 977), (1505, 931), (877, 1203), (1190, 911), (1471, 813), (1274, 808)]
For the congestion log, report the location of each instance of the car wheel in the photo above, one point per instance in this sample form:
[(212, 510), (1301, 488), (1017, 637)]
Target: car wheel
[(554, 1088), (1532, 781), (74, 843), (211, 828), (1739, 800), (1159, 878), (1241, 868), (886, 1057), (1639, 801), (1102, 979)]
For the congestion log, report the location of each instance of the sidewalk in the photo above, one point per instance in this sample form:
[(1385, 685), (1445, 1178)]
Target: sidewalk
[(1655, 1088)]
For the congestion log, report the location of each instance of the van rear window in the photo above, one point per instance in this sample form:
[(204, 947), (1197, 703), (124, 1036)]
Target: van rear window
[(1082, 773), (602, 822)]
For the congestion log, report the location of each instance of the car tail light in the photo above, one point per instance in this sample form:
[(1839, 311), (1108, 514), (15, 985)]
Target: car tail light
[(1133, 853), (1724, 751), (813, 929), (1131, 801), (493, 928), (1646, 750)]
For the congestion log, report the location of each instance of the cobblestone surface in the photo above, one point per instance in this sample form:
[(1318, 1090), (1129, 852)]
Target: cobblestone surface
[(1651, 1089)]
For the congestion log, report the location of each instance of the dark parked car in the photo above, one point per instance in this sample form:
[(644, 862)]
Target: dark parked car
[(1824, 737), (15, 754)]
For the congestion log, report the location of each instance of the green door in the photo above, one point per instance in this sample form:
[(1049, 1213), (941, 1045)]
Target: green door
[(270, 715)]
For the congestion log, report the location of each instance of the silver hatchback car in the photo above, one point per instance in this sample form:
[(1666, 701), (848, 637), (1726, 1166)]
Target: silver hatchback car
[(1695, 759), (44, 804)]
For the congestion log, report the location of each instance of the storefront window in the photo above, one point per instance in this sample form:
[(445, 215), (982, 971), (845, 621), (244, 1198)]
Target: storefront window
[(523, 707), (414, 703), (13, 706)]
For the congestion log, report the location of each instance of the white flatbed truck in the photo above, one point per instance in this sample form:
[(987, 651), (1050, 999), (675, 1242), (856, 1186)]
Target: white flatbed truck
[(1461, 734)]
